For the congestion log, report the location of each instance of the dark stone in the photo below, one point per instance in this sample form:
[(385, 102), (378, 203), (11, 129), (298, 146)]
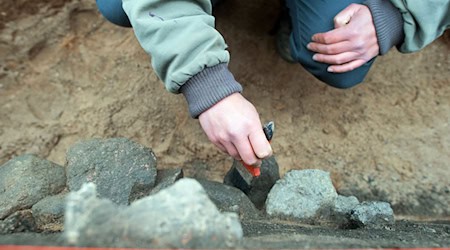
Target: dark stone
[(166, 178), (26, 180), (260, 186), (18, 222), (49, 213), (121, 169), (230, 199)]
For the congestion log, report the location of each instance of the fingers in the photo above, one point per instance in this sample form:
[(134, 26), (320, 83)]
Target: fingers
[(250, 151), (231, 150), (352, 43), (220, 146), (255, 148), (246, 153), (344, 17), (336, 59), (233, 125), (329, 37), (346, 67), (341, 20), (330, 49), (260, 145), (334, 36)]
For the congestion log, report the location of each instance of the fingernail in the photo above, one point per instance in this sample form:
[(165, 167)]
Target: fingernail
[(308, 46), (266, 154), (314, 57), (263, 155), (330, 69)]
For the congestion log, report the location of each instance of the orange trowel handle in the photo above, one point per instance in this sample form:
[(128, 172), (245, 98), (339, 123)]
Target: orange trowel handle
[(255, 171)]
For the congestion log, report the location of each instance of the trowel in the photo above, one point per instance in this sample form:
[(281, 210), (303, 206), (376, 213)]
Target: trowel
[(245, 174)]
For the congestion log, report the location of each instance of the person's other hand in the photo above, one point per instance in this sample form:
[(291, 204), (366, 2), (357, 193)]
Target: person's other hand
[(352, 43), (233, 125)]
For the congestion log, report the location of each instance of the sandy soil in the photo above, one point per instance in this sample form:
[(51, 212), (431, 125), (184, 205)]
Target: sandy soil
[(66, 74)]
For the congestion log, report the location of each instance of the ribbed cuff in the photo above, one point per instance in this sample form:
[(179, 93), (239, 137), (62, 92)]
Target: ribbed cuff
[(208, 87), (388, 23)]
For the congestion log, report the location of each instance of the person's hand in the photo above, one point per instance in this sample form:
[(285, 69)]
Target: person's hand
[(233, 125), (352, 43)]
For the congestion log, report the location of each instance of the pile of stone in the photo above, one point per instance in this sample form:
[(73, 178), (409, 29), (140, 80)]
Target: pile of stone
[(110, 193), (180, 216), (128, 202), (309, 196)]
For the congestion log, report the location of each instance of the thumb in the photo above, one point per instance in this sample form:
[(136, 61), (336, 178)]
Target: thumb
[(344, 17)]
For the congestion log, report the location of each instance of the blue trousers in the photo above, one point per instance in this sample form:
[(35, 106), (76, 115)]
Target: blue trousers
[(315, 16), (308, 18)]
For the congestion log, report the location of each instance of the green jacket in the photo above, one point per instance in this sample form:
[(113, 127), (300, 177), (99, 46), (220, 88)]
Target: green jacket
[(187, 52), (419, 22), (423, 22), (191, 57)]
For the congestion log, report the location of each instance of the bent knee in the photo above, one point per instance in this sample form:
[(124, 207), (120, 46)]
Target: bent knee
[(341, 80), (113, 12), (338, 80)]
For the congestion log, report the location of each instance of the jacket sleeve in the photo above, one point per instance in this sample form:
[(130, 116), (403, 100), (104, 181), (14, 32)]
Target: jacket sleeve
[(188, 54), (424, 22)]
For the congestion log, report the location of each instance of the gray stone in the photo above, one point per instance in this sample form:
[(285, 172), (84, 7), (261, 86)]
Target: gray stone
[(18, 222), (230, 199), (301, 194), (342, 208), (27, 179), (180, 216), (121, 169), (49, 213), (344, 204), (372, 214), (85, 215), (260, 186), (166, 178)]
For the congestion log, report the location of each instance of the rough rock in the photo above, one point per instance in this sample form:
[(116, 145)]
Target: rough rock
[(18, 222), (344, 204), (166, 178), (342, 208), (230, 199), (121, 169), (27, 179), (85, 212), (372, 214), (49, 213), (180, 216), (260, 186), (301, 195)]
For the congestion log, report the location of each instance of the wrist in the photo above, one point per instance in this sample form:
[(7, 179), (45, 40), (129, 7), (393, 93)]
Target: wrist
[(388, 23), (208, 87)]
